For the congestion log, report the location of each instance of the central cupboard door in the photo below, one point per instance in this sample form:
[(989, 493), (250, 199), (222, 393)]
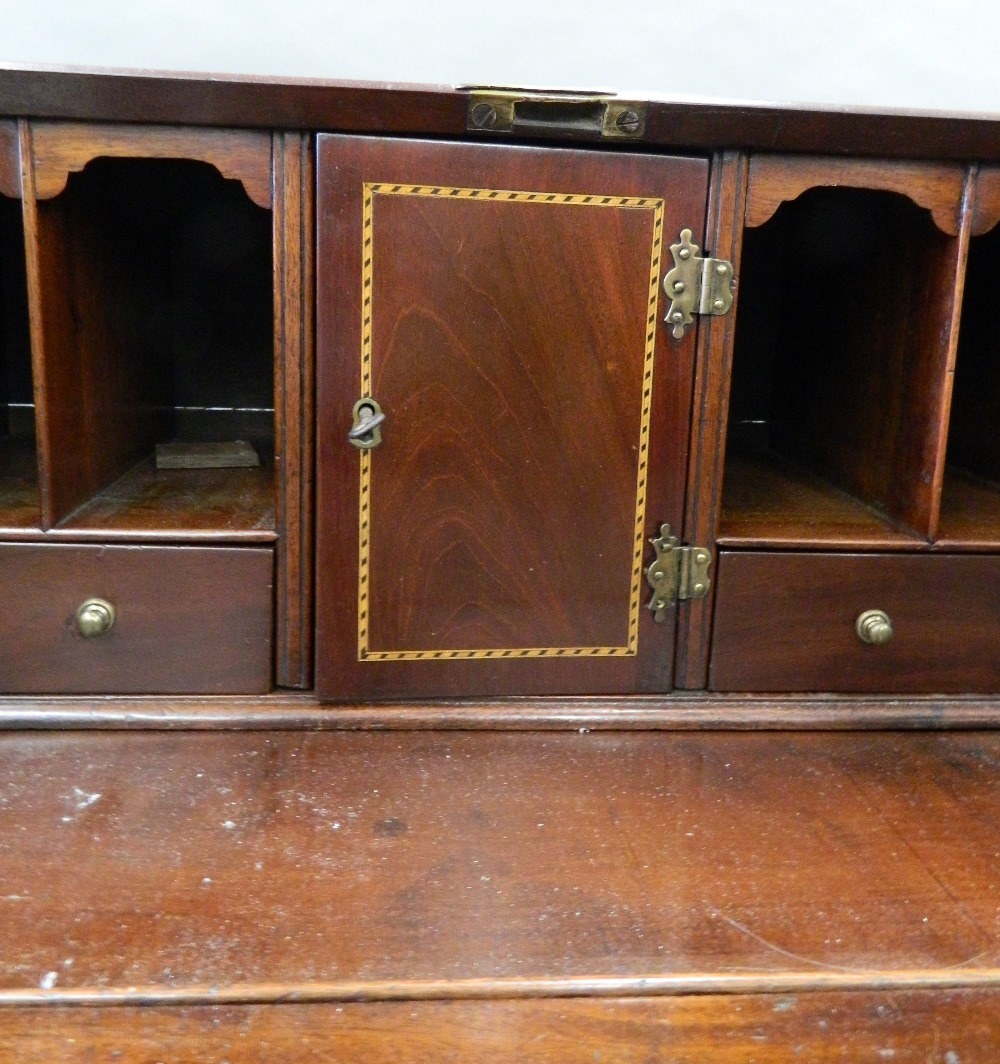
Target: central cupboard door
[(501, 307)]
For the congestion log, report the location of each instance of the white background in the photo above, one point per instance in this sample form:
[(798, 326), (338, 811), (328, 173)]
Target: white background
[(921, 54)]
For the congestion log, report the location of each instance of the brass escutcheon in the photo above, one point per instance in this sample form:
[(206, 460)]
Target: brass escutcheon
[(365, 433)]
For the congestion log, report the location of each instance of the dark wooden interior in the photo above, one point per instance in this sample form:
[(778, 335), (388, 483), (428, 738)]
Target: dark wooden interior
[(18, 468), (839, 370), (156, 278)]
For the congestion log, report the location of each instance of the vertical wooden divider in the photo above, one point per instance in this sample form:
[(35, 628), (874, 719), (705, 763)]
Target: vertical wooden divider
[(713, 361), (957, 289), (36, 309), (294, 291)]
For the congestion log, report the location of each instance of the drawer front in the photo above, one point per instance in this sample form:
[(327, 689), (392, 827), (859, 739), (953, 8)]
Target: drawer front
[(186, 620), (787, 622)]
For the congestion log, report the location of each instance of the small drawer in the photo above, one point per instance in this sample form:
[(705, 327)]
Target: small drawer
[(186, 620), (790, 622)]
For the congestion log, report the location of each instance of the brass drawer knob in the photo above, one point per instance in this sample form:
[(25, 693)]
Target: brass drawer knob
[(94, 617), (874, 626)]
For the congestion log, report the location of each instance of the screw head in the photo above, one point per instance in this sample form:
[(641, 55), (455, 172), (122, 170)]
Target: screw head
[(627, 122), (684, 253), (721, 269), (718, 305), (483, 116), (677, 316), (679, 286)]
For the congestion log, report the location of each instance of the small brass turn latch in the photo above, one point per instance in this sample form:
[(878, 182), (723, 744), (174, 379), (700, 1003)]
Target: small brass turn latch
[(678, 573), (365, 433)]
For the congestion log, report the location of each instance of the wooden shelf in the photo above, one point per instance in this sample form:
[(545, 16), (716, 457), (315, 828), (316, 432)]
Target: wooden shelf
[(234, 503), (18, 483), (970, 513), (767, 501)]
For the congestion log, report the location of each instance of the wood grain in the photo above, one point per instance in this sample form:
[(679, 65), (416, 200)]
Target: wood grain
[(60, 149), (689, 711), (188, 619), (306, 104), (227, 503), (713, 365), (361, 863), (294, 387), (786, 622), (969, 506), (10, 160), (18, 484), (987, 202), (970, 513), (509, 360), (19, 502), (907, 1028), (775, 180), (768, 501)]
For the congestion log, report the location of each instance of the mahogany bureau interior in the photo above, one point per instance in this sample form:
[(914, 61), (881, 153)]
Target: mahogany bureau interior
[(597, 656)]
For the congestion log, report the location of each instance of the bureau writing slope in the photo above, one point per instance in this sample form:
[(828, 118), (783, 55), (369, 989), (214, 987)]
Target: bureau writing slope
[(495, 575)]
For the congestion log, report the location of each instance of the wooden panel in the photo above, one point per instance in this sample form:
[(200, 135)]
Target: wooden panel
[(970, 511), (527, 456), (175, 866), (987, 203), (59, 149), (305, 104), (726, 207), (785, 622), (188, 619), (10, 161), (907, 1028), (776, 179), (294, 375)]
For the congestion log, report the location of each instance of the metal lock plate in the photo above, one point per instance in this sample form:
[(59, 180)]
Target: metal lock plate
[(583, 115), (365, 432)]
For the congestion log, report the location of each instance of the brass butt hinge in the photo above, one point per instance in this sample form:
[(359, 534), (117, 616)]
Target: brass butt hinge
[(678, 573), (696, 285)]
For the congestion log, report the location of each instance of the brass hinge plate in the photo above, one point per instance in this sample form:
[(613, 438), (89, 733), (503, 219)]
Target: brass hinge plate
[(585, 116), (696, 285), (678, 573)]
